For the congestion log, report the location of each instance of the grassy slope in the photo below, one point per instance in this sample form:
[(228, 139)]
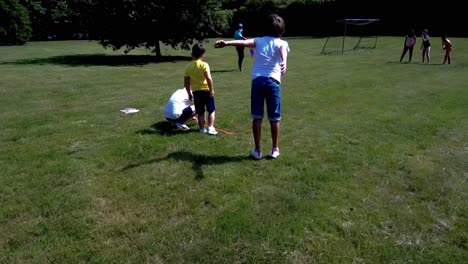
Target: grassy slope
[(373, 166)]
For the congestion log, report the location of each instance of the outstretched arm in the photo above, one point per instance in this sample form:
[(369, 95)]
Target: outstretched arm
[(250, 43)]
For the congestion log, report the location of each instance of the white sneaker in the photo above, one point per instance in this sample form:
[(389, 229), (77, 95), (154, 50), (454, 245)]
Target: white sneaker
[(203, 130), (256, 154), (182, 126), (212, 131), (274, 153)]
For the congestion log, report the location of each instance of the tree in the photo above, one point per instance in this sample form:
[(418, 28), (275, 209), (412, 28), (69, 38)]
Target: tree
[(253, 11), (131, 24), (14, 23), (57, 17), (233, 4)]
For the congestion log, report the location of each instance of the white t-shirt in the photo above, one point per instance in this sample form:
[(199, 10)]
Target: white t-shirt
[(268, 58), (177, 103)]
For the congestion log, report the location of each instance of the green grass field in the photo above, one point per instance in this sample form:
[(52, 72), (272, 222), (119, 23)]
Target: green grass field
[(373, 165)]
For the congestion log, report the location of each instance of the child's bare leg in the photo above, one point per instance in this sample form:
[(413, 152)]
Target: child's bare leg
[(257, 132), (201, 120), (274, 126), (211, 119), (428, 52)]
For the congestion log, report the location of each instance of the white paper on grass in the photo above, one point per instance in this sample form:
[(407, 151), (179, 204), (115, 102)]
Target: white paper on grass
[(130, 110)]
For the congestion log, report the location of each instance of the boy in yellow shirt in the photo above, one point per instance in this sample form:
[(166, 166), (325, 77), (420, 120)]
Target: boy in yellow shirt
[(199, 86)]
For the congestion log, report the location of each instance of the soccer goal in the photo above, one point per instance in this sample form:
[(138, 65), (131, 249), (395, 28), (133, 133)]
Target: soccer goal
[(359, 33)]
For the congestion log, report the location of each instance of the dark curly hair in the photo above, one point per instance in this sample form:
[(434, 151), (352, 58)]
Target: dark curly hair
[(198, 50)]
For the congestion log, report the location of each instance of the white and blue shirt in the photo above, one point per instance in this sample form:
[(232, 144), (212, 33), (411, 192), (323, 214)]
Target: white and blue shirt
[(268, 57)]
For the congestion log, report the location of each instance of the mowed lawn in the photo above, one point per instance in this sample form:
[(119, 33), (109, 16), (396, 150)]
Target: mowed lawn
[(373, 165)]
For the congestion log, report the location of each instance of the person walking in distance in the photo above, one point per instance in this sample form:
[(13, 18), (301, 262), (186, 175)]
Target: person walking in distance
[(270, 64)]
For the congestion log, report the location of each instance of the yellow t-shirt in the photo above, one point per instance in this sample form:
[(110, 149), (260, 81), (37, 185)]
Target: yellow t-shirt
[(196, 71)]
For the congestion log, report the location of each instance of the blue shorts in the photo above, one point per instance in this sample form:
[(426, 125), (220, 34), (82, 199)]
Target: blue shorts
[(265, 90), (202, 100)]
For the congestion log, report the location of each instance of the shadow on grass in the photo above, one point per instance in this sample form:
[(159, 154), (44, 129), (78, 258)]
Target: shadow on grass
[(197, 160), (99, 60), (414, 63), (165, 128), (222, 71)]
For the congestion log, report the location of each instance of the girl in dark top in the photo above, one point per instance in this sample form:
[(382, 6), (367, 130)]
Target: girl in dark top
[(426, 47)]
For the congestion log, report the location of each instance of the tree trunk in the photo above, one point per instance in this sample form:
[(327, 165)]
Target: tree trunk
[(157, 49)]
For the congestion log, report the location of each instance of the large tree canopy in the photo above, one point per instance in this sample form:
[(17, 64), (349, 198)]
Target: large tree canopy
[(128, 24), (145, 23), (14, 22), (51, 17)]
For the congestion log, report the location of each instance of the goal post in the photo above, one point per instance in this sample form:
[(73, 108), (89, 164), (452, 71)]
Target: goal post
[(357, 34)]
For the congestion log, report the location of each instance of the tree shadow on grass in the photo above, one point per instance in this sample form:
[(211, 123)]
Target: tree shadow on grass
[(197, 160), (100, 60)]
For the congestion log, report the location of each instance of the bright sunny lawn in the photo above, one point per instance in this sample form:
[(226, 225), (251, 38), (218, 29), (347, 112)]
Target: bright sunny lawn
[(373, 165)]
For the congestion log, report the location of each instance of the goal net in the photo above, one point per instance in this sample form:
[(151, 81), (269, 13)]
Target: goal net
[(358, 33)]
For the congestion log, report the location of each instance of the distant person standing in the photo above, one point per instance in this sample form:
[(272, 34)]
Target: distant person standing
[(447, 46), (238, 35), (408, 45), (426, 47)]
